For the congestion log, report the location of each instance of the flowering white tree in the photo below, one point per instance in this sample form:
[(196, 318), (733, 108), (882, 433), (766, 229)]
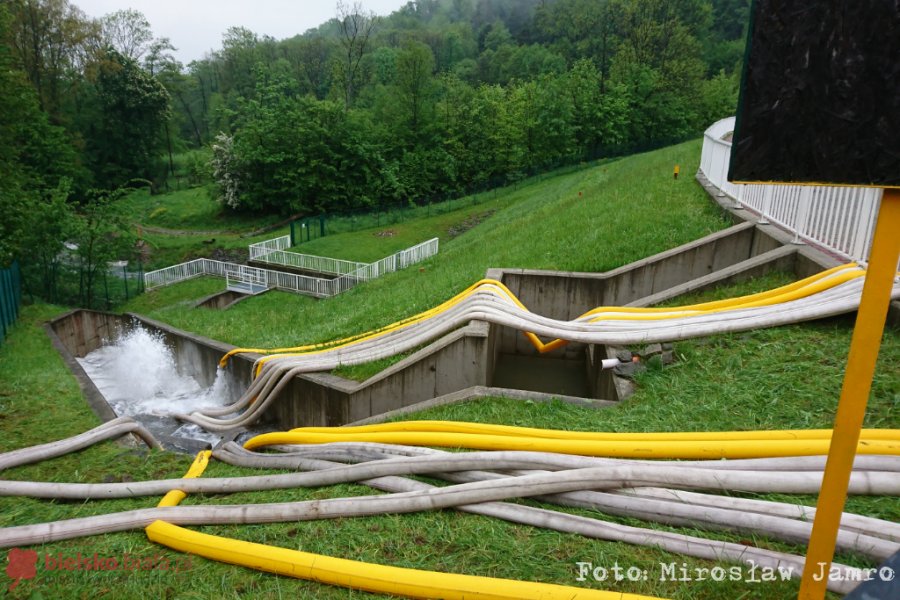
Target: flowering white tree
[(224, 165)]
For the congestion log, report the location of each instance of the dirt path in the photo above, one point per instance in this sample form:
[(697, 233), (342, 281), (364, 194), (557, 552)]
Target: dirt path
[(187, 232)]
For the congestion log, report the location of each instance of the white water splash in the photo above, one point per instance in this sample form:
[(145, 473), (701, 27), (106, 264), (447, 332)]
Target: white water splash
[(138, 375)]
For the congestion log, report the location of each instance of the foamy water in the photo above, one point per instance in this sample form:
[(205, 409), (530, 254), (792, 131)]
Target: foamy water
[(138, 375)]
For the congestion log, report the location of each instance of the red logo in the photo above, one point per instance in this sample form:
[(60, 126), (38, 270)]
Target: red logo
[(22, 565)]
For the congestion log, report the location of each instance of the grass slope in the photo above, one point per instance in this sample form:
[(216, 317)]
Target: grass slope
[(786, 377), (592, 220), (189, 209), (369, 245)]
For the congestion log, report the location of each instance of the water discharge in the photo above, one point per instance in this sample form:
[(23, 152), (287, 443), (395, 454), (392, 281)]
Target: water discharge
[(138, 375)]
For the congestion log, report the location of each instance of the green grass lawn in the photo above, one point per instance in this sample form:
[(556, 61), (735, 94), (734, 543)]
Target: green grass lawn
[(168, 250), (208, 230), (189, 209), (370, 245), (787, 377)]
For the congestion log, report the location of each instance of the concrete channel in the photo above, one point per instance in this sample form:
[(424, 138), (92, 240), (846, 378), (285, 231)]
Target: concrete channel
[(479, 359)]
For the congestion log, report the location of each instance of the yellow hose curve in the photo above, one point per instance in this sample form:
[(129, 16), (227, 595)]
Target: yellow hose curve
[(509, 430), (370, 577), (631, 448), (397, 581)]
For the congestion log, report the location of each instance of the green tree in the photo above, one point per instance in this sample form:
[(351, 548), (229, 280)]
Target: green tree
[(356, 27), (47, 223), (415, 87), (52, 41), (102, 234), (579, 29), (125, 133), (599, 112), (659, 63), (128, 31), (37, 164), (543, 113), (295, 155)]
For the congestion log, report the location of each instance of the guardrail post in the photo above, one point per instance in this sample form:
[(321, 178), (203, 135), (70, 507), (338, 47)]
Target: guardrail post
[(802, 214), (766, 210), (739, 200), (724, 177)]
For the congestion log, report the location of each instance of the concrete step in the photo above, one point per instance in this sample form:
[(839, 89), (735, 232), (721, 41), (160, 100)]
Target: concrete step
[(779, 259)]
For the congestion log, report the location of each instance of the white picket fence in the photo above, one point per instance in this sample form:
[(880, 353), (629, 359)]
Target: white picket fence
[(838, 219), (252, 279)]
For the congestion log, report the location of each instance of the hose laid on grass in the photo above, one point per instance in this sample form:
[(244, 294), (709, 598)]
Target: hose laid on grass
[(110, 430), (505, 487), (604, 477), (824, 295), (364, 451), (445, 497), (470, 428), (566, 523), (671, 513), (298, 457), (724, 447), (870, 542), (852, 522)]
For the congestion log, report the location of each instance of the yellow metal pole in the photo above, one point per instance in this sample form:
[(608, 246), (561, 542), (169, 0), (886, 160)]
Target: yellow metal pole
[(864, 348)]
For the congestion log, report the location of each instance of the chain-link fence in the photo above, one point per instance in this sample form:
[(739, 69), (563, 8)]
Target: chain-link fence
[(10, 297), (68, 284)]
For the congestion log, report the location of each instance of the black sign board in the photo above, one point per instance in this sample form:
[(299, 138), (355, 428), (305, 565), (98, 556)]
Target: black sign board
[(820, 95)]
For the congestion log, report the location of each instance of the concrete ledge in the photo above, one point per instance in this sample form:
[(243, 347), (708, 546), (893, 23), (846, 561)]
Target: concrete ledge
[(222, 300), (454, 361), (89, 390), (779, 259), (261, 264), (477, 392), (95, 400)]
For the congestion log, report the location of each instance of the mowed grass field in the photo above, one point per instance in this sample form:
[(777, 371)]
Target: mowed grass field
[(787, 377)]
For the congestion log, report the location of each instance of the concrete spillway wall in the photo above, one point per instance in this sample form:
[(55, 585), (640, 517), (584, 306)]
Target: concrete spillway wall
[(447, 365)]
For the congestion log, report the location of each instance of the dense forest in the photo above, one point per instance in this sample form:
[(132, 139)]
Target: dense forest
[(440, 97)]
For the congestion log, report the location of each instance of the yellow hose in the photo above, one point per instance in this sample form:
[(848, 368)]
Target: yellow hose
[(397, 581), (631, 448), (509, 430), (411, 583)]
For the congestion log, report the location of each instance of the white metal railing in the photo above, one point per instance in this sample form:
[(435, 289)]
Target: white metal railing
[(183, 271), (273, 252), (261, 249), (388, 264), (245, 279), (840, 219), (251, 278)]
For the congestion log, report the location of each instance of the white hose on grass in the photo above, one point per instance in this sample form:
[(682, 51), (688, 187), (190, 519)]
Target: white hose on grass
[(110, 430), (493, 304)]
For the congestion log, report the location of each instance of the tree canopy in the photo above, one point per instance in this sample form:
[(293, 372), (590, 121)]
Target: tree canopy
[(440, 97)]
